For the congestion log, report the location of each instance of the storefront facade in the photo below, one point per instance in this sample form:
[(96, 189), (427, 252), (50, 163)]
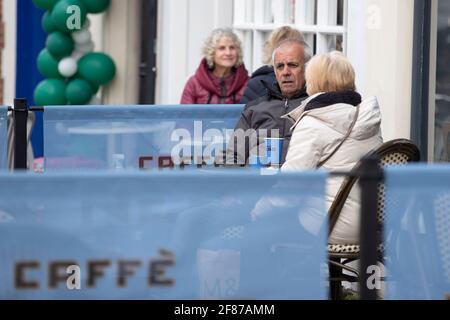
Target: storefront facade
[(156, 46)]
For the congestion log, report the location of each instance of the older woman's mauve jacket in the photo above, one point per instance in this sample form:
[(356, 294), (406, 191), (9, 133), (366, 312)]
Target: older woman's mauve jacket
[(205, 88)]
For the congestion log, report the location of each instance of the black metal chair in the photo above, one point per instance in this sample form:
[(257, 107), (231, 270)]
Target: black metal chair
[(398, 151)]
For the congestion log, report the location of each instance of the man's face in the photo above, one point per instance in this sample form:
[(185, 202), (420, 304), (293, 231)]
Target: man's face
[(289, 65)]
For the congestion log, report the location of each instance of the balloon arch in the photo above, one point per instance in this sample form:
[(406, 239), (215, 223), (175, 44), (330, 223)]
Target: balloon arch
[(74, 72)]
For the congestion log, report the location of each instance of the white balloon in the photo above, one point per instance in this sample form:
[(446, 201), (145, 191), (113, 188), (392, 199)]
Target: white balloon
[(82, 37), (85, 48), (68, 67)]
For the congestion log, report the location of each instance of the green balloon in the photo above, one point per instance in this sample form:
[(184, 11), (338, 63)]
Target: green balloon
[(94, 87), (59, 44), (47, 23), (48, 65), (96, 6), (45, 4), (78, 92), (69, 15), (98, 68), (50, 92)]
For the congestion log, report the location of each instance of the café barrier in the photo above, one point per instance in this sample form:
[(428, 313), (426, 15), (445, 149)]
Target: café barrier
[(203, 234), (116, 137), (3, 139), (417, 232)]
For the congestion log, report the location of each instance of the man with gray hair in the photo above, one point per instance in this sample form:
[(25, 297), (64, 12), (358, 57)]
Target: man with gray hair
[(261, 118)]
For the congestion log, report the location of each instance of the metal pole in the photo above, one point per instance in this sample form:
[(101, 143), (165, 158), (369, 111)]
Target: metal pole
[(371, 176), (421, 75), (20, 116)]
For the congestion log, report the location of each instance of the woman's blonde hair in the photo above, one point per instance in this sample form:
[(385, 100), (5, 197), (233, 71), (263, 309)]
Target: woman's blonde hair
[(210, 45), (276, 37), (329, 72)]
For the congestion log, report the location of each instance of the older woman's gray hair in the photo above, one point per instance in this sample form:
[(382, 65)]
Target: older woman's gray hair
[(210, 46)]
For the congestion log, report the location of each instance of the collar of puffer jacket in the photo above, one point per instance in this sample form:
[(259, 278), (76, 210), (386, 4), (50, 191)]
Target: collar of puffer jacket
[(339, 116), (323, 99), (326, 99)]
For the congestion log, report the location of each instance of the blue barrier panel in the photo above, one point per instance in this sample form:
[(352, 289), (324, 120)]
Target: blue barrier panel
[(3, 138), (417, 232), (108, 137), (203, 234)]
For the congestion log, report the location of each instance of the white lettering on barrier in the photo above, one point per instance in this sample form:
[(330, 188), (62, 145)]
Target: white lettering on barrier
[(207, 147)]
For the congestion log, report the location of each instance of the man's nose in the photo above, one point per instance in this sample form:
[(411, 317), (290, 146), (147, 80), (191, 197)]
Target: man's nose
[(286, 71)]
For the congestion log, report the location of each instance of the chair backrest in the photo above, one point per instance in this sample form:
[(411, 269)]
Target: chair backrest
[(397, 151)]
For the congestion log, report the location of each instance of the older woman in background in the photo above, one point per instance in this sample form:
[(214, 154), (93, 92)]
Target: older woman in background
[(221, 76)]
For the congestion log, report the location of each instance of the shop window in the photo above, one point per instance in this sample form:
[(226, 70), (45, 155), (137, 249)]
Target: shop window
[(442, 111), (323, 23)]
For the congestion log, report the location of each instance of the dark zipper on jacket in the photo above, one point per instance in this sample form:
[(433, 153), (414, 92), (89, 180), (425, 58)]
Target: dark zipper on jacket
[(223, 89)]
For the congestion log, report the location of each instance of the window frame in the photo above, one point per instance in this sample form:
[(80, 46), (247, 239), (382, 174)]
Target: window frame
[(252, 22)]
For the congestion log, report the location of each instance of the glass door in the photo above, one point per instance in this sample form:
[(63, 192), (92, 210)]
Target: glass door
[(442, 93), (147, 66)]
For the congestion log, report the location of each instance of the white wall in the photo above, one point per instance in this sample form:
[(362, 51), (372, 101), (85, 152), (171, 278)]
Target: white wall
[(356, 39), (9, 52), (121, 40), (380, 45), (183, 26), (96, 29)]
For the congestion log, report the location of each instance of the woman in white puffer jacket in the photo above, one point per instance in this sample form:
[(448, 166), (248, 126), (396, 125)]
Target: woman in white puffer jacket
[(320, 123)]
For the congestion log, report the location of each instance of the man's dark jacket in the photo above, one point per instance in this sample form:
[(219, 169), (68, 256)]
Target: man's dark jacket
[(264, 113), (255, 87)]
